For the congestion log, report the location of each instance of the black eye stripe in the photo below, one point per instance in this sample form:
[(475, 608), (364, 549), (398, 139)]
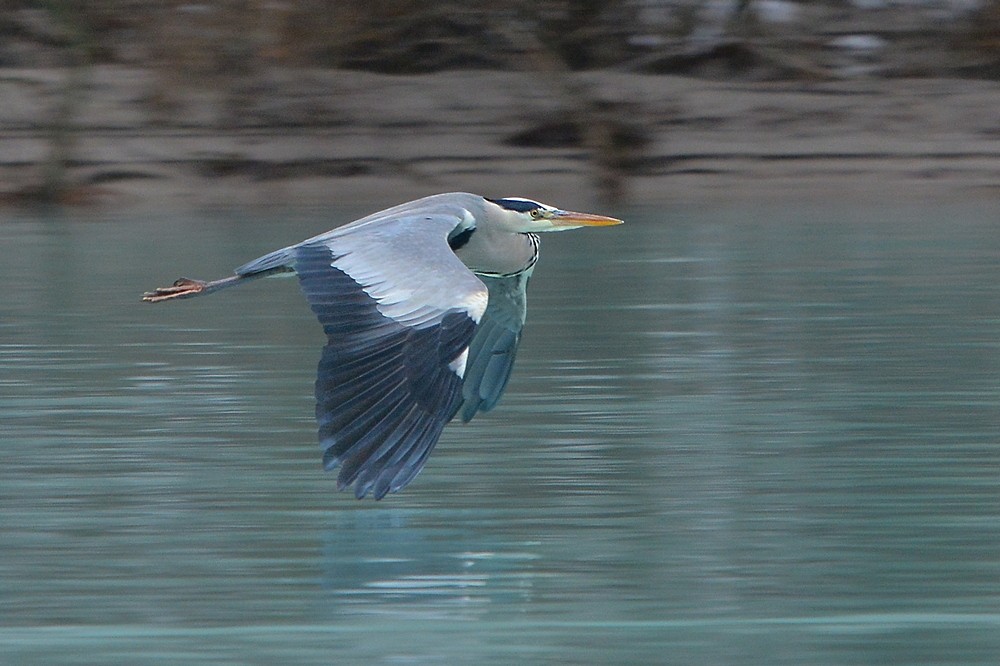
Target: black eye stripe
[(519, 205)]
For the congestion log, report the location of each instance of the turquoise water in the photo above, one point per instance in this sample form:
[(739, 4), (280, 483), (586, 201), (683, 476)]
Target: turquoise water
[(732, 437)]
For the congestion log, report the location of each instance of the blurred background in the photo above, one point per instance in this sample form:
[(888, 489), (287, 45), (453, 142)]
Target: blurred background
[(269, 101), (756, 425)]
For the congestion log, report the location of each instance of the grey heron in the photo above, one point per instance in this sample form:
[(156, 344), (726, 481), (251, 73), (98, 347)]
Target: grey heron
[(423, 306)]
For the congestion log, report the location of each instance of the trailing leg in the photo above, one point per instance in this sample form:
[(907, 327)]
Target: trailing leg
[(187, 288)]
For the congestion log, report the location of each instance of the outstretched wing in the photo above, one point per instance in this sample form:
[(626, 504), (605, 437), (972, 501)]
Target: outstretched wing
[(492, 352), (399, 310)]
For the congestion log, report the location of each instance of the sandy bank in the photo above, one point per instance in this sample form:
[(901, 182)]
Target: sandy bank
[(314, 137)]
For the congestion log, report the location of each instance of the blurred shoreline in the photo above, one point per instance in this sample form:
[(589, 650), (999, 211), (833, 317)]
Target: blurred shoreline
[(313, 137)]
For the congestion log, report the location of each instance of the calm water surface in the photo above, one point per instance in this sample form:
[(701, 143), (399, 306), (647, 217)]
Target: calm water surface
[(733, 437)]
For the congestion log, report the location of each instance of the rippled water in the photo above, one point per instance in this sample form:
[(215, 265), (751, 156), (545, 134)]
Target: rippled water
[(733, 437)]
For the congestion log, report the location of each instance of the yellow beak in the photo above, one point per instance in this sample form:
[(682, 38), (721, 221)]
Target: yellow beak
[(567, 218)]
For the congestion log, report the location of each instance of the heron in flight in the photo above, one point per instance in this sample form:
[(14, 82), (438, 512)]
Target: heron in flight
[(423, 306)]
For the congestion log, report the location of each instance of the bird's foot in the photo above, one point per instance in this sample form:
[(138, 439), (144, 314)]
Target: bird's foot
[(182, 288)]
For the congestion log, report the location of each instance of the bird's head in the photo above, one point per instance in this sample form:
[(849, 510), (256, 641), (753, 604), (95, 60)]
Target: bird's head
[(525, 216)]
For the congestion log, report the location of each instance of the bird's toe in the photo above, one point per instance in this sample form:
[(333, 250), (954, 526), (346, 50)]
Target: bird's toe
[(181, 288)]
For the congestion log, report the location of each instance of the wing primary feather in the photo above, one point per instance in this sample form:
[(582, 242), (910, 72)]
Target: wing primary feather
[(386, 385), (494, 347)]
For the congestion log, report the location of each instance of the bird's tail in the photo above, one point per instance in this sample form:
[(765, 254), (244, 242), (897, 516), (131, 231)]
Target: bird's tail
[(188, 288)]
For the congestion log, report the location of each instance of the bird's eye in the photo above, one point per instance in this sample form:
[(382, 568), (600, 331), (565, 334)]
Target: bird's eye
[(536, 213)]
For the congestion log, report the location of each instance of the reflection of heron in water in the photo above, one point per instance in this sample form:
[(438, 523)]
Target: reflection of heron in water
[(423, 306), (394, 563)]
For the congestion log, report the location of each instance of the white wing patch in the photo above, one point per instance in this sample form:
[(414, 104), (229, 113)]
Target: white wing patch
[(475, 304), (458, 365)]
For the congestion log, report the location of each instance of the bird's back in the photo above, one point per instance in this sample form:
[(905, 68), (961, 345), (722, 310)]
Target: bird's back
[(453, 204)]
